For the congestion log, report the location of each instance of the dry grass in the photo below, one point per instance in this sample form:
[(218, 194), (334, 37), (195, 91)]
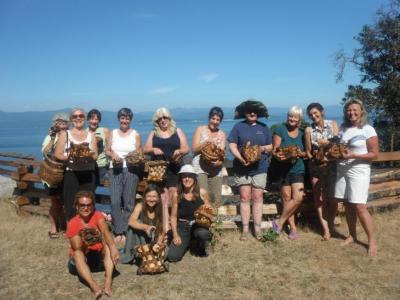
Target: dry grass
[(34, 267)]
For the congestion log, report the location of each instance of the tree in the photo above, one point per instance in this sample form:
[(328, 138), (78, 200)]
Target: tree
[(378, 60)]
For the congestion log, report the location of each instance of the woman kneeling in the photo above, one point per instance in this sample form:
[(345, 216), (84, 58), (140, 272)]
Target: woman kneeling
[(185, 202), (145, 224)]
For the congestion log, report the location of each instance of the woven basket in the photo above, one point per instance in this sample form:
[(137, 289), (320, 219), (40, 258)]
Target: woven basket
[(51, 172), (156, 170)]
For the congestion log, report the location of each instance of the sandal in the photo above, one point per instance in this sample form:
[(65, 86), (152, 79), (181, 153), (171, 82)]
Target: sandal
[(53, 235), (258, 234), (244, 236)]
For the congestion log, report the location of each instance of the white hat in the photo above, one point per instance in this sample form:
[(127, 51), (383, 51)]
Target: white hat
[(188, 169)]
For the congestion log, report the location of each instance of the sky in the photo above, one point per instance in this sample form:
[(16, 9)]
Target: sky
[(146, 54)]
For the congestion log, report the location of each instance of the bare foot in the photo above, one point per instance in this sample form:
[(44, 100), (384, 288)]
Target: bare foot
[(97, 294), (108, 287), (372, 250), (347, 241)]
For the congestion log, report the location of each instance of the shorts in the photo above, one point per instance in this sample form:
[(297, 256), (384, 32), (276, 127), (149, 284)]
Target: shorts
[(94, 259), (352, 183), (258, 180), (290, 178)]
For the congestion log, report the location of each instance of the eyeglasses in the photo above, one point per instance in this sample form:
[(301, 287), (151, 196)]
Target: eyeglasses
[(162, 118), (80, 116), (85, 205)]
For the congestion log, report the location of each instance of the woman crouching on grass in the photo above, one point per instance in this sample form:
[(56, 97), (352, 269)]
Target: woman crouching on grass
[(185, 202), (97, 255), (145, 224)]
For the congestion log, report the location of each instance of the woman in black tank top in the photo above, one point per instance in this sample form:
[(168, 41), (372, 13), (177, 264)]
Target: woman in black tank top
[(188, 198), (166, 142)]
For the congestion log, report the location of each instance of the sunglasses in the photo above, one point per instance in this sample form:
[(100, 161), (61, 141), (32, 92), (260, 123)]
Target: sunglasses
[(85, 205), (80, 116), (162, 118)]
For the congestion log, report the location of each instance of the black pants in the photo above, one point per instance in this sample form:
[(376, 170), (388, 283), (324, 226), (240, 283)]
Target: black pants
[(201, 235), (75, 181)]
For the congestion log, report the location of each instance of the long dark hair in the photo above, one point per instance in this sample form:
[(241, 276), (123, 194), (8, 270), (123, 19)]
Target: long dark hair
[(157, 208), (195, 188)]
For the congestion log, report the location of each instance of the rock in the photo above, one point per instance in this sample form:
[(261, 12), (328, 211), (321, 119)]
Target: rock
[(7, 186)]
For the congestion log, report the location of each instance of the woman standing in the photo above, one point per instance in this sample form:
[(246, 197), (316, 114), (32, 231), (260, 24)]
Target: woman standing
[(209, 173), (291, 171), (56, 218), (169, 143), (123, 182), (76, 180), (101, 135), (251, 179), (188, 198), (353, 173), (321, 174)]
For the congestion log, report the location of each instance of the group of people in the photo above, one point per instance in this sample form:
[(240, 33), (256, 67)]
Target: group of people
[(166, 212)]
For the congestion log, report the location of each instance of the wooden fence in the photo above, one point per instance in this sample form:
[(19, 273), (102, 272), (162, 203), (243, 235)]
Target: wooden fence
[(31, 198)]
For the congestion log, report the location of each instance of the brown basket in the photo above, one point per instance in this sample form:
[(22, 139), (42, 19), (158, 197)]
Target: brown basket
[(156, 170), (51, 172), (134, 158), (152, 259)]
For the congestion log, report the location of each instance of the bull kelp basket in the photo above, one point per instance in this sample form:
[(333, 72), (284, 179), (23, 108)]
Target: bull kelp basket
[(156, 170), (51, 171)]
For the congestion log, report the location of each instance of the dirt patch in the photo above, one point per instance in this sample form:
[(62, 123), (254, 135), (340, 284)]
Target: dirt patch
[(34, 267)]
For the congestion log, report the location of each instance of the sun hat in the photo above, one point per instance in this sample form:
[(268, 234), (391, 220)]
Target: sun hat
[(61, 116), (251, 105), (188, 169)]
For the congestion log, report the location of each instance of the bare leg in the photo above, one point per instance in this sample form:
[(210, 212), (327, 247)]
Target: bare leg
[(84, 271), (367, 224), (290, 207), (165, 204), (257, 196), (321, 209), (351, 219), (109, 266), (55, 214), (245, 194), (331, 213)]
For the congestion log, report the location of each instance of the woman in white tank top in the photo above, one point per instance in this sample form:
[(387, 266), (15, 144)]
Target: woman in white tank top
[(123, 181), (75, 181)]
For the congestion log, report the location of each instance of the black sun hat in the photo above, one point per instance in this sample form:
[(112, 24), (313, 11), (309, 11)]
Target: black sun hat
[(251, 106)]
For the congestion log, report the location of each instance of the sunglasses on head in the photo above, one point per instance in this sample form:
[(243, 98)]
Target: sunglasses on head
[(80, 116)]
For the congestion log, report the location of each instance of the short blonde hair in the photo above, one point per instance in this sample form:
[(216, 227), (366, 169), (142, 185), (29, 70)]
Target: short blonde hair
[(364, 113), (296, 111), (163, 112)]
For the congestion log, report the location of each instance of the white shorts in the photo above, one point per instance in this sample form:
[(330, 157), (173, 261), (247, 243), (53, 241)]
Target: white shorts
[(352, 183)]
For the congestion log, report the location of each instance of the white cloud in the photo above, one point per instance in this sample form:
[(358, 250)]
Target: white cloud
[(162, 90), (209, 77)]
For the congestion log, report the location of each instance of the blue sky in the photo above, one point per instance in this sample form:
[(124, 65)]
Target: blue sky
[(147, 54)]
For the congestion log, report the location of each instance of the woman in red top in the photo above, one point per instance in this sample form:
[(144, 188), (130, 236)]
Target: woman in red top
[(87, 258)]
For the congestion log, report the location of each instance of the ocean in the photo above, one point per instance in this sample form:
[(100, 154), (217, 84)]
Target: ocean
[(23, 136)]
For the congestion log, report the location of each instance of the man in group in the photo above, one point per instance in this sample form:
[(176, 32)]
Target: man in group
[(92, 247)]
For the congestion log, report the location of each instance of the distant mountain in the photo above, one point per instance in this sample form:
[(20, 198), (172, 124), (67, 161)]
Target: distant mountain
[(43, 118)]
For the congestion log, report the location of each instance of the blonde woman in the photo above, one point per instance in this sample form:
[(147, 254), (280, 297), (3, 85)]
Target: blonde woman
[(75, 181), (167, 142), (353, 173), (291, 172)]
